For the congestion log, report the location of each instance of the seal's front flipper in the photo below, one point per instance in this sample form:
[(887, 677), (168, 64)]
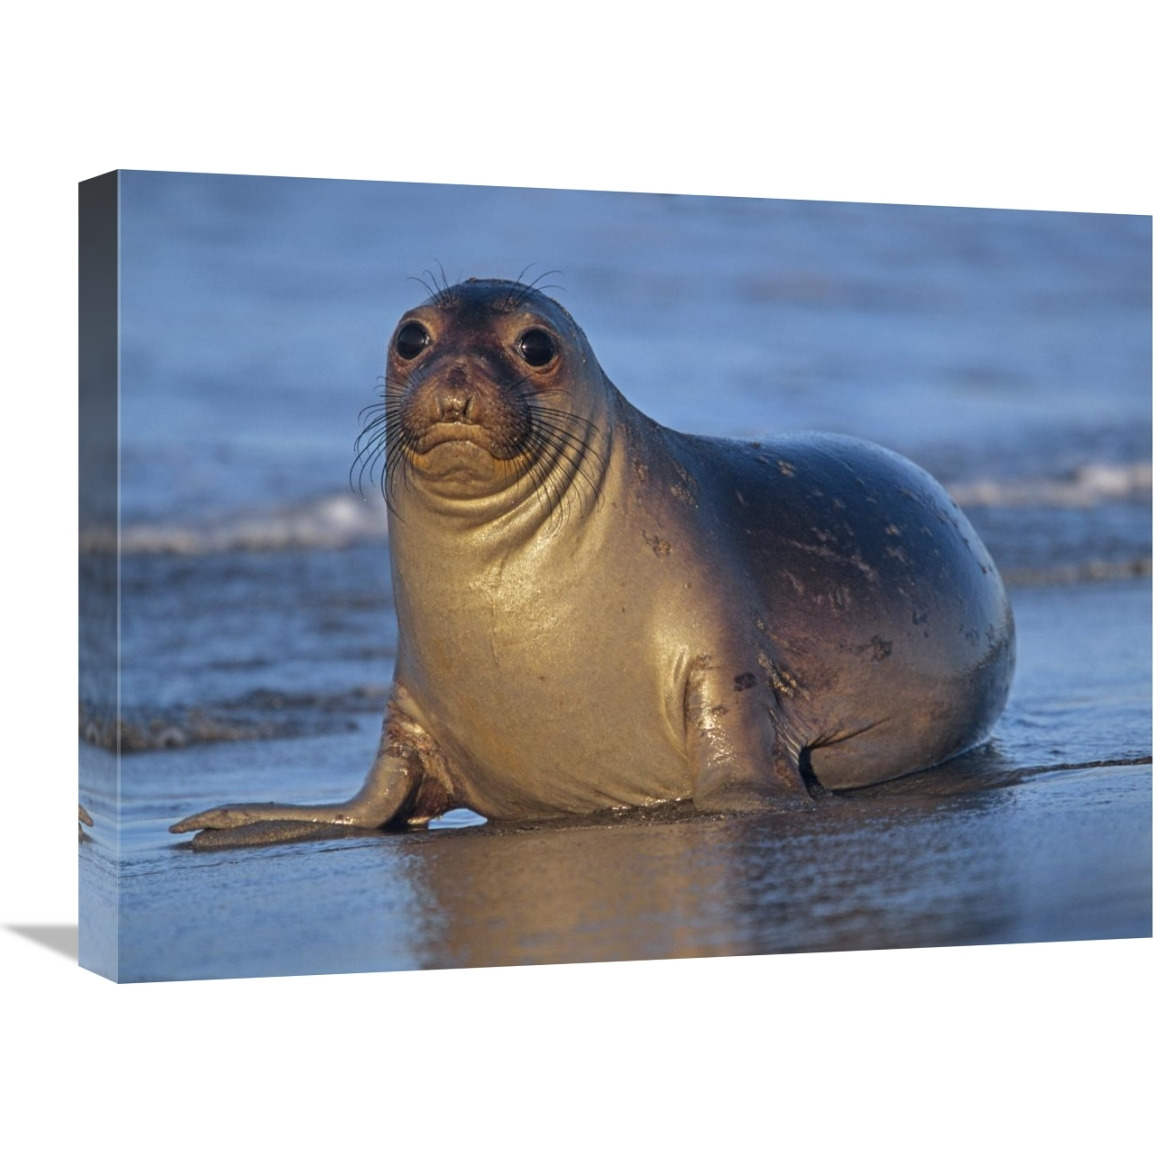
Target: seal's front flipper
[(262, 833), (397, 784), (738, 758), (380, 799)]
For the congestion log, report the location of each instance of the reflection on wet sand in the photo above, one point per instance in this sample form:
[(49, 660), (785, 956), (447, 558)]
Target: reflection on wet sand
[(617, 891), (934, 861), (859, 873), (979, 851)]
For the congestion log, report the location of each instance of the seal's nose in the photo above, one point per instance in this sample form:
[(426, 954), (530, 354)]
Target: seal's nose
[(454, 397), (454, 404)]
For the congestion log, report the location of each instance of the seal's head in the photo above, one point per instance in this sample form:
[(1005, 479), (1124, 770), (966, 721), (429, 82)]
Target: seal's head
[(491, 391)]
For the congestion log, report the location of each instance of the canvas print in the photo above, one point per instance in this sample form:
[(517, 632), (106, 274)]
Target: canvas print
[(493, 576)]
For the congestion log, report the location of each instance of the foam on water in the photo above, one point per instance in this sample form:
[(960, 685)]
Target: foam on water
[(338, 520), (1090, 485), (332, 522)]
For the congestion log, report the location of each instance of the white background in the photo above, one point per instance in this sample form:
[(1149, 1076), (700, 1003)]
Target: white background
[(1004, 104)]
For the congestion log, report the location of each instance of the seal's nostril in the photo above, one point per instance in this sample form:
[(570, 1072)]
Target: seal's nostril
[(454, 404)]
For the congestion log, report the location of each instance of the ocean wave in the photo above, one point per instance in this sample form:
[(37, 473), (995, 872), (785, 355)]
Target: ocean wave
[(261, 715), (331, 522), (1078, 572), (1083, 488), (339, 520)]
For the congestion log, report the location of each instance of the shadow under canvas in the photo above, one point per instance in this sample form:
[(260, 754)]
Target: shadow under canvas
[(61, 939)]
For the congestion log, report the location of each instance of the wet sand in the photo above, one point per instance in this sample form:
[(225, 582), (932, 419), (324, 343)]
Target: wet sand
[(1043, 835)]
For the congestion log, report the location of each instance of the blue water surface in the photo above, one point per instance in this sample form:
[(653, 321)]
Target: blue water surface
[(256, 313)]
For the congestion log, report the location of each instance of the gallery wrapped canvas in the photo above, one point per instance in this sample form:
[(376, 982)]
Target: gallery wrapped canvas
[(488, 576)]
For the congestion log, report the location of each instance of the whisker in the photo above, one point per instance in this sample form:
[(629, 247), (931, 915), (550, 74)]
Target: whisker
[(512, 299), (430, 290), (525, 290)]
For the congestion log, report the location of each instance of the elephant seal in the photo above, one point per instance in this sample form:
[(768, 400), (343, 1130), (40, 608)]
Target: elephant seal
[(596, 611)]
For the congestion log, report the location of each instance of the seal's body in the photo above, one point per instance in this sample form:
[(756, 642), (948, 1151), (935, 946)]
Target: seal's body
[(596, 611)]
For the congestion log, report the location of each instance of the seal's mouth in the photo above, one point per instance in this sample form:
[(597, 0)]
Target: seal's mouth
[(454, 433)]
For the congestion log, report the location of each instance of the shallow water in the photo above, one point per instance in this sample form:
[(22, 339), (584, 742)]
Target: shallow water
[(1007, 352)]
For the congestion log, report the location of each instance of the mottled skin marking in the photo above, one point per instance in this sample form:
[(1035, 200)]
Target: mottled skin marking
[(660, 547), (584, 600), (877, 647)]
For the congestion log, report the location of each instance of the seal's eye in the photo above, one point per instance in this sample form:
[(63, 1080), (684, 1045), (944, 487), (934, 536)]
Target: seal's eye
[(536, 347), (412, 338)]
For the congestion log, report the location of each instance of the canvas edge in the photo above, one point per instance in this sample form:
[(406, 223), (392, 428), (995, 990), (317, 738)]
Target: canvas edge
[(99, 571)]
